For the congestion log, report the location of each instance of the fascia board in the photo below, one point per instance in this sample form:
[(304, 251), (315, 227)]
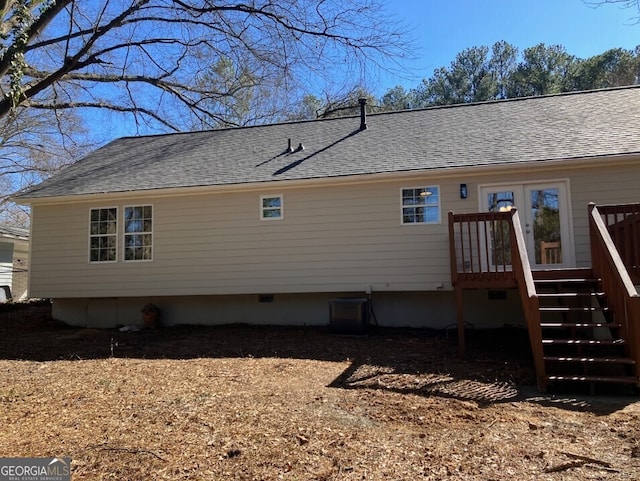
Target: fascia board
[(434, 173)]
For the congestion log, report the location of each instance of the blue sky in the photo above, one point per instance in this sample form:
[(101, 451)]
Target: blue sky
[(443, 28)]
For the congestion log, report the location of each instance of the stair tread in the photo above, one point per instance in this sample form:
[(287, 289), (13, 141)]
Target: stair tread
[(586, 325), (611, 379), (586, 342), (571, 294), (573, 309), (569, 280), (604, 360)]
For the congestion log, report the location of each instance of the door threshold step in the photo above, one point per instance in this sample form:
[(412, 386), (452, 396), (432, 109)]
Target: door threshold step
[(586, 342), (579, 325), (609, 379), (591, 360)]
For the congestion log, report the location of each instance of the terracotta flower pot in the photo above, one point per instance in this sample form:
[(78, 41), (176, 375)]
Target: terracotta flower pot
[(150, 316)]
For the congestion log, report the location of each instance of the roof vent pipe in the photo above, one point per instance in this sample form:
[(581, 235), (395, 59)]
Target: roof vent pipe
[(289, 148), (363, 113)]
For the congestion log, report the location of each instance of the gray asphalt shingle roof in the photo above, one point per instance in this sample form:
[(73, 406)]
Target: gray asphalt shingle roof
[(14, 232), (578, 125)]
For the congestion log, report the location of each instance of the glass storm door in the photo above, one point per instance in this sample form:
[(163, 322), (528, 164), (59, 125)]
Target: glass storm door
[(544, 214)]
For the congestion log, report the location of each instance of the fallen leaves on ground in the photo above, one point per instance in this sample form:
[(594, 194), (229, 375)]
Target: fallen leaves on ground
[(297, 404)]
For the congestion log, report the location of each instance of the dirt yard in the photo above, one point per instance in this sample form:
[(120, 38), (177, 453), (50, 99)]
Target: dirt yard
[(249, 403)]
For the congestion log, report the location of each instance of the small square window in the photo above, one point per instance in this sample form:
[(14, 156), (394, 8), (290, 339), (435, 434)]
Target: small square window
[(271, 207), (421, 205)]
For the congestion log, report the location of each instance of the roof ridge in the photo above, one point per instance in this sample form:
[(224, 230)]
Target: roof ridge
[(390, 112), (510, 100)]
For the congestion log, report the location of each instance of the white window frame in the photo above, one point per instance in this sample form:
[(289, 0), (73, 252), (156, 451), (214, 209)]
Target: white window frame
[(125, 234), (92, 236), (425, 188), (263, 209)]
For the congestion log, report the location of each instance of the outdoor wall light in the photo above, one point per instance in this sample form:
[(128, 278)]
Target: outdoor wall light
[(463, 191)]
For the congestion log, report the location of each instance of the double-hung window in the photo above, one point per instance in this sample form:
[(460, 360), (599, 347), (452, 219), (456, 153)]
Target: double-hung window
[(103, 234), (138, 233), (421, 205)]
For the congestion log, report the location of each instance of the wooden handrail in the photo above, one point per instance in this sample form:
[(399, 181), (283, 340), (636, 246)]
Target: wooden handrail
[(604, 240), (622, 295), (623, 224), (528, 297), (521, 258)]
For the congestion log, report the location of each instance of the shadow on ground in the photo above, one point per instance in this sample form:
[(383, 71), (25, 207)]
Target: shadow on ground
[(497, 366)]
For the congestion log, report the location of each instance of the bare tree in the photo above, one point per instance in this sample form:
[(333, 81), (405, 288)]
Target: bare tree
[(634, 4), (173, 65), (33, 145), (149, 57), (623, 3)]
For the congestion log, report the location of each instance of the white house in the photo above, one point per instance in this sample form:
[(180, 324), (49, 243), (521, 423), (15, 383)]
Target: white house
[(14, 262)]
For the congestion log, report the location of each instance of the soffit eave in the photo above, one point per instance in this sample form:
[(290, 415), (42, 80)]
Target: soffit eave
[(381, 177)]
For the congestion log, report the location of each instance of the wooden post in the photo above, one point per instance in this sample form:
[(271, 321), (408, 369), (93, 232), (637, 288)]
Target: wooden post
[(460, 317), (452, 251), (456, 285)]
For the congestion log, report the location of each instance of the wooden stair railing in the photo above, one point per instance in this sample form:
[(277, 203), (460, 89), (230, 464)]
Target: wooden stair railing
[(622, 296), (528, 297), (623, 224)]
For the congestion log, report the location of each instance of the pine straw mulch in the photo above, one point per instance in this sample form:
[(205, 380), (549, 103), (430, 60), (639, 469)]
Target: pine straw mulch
[(250, 403)]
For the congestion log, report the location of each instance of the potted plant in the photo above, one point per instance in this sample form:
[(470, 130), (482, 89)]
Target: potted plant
[(150, 316)]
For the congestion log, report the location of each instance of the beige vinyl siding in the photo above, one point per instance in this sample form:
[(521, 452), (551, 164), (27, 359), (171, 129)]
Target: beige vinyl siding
[(609, 185), (339, 238), (331, 239)]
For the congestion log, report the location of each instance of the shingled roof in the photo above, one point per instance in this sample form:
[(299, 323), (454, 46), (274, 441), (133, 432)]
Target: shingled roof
[(589, 124), (11, 232)]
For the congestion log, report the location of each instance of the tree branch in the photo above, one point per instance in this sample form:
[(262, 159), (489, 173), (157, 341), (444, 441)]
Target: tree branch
[(33, 31), (104, 105), (71, 63)]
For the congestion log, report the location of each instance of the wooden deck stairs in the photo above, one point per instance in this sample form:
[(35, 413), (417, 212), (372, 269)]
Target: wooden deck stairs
[(582, 341), (583, 324)]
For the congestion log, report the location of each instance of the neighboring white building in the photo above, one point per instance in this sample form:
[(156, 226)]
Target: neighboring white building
[(14, 262), (232, 225)]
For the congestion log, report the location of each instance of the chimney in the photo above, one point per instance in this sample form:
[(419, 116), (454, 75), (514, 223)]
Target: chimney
[(363, 113)]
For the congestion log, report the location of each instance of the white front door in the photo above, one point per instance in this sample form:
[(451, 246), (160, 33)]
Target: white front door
[(544, 213)]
